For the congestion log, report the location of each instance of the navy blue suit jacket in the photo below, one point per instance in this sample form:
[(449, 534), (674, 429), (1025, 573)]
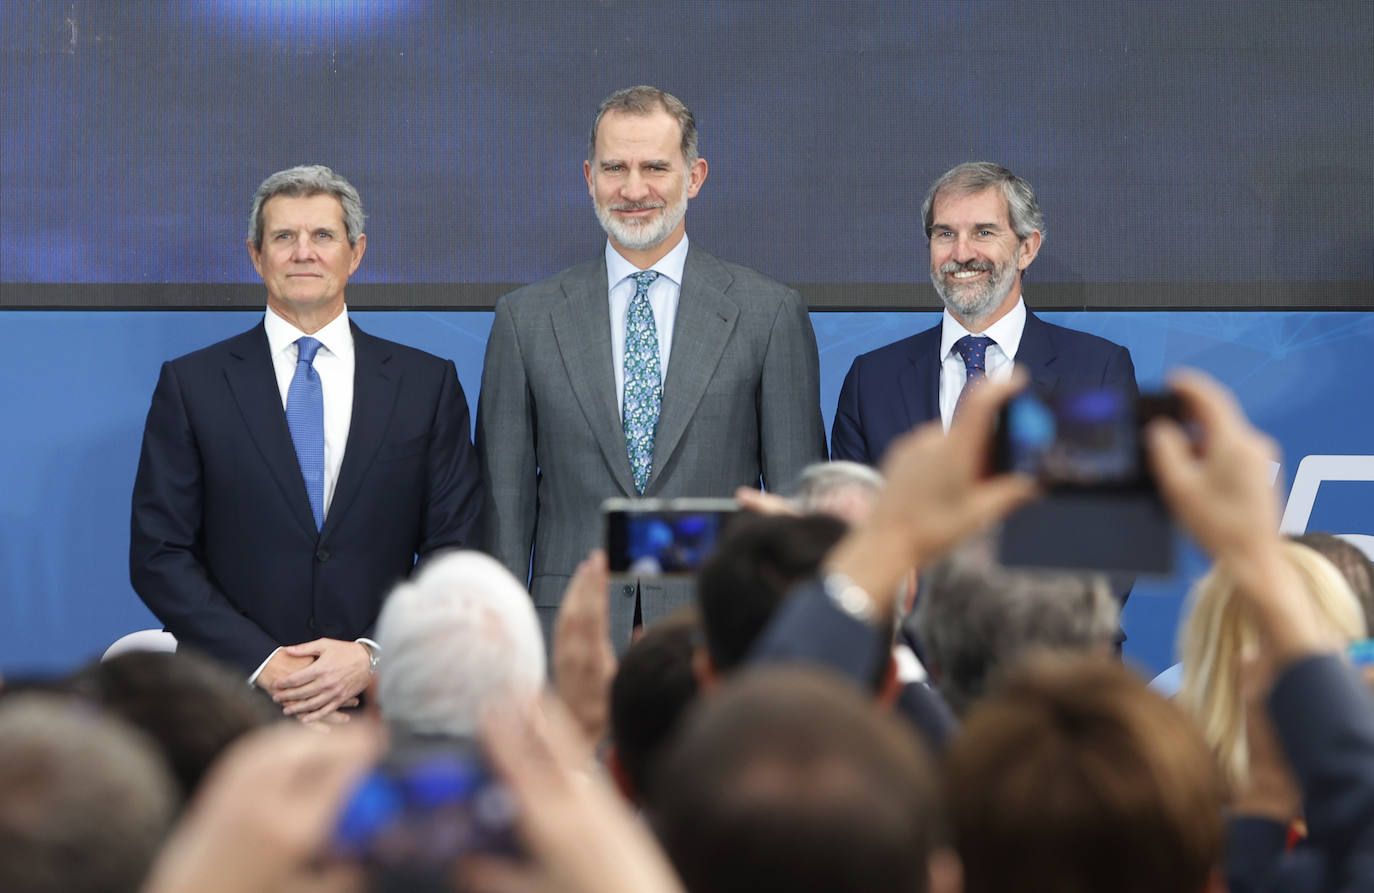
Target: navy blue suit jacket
[(223, 546), (893, 389)]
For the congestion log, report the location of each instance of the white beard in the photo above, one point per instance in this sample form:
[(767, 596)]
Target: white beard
[(972, 303), (644, 235)]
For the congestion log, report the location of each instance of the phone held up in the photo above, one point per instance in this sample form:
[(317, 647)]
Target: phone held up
[(663, 537)]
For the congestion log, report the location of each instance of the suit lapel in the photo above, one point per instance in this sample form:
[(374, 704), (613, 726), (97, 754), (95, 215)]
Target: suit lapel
[(375, 385), (582, 327), (1036, 354), (919, 380), (253, 383), (705, 320)]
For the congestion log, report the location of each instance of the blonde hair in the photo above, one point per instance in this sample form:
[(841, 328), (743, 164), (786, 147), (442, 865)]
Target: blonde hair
[(1219, 635)]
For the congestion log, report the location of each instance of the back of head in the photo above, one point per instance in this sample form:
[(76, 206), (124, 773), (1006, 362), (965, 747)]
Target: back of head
[(461, 636), (1073, 777), (1353, 564), (789, 779), (190, 706), (1218, 636), (84, 800), (846, 490), (751, 573), (977, 620), (651, 690)]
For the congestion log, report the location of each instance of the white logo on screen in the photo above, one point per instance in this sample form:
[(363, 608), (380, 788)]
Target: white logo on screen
[(1312, 472)]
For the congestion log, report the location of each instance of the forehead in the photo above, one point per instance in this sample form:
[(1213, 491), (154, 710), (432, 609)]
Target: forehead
[(656, 134), (309, 211), (985, 206)]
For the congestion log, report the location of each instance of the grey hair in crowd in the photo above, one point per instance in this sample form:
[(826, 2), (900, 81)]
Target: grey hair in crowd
[(820, 480), (461, 636), (645, 100), (304, 181), (974, 176), (85, 801), (976, 619)]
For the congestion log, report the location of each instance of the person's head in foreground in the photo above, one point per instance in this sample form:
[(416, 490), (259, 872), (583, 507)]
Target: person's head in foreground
[(790, 779), (1074, 776), (460, 636)]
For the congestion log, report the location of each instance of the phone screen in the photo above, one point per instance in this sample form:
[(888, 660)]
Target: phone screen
[(655, 540)]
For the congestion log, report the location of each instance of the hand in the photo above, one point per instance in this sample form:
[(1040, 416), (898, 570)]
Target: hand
[(1220, 491), (578, 834), (583, 659), (337, 673), (761, 503), (265, 812), (278, 667), (936, 495)]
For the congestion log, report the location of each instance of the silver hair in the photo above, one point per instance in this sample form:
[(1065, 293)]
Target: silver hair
[(458, 638), (973, 177), (301, 182), (645, 100), (85, 800), (819, 480), (976, 619)]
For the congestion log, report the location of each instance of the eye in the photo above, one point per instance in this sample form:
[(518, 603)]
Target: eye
[(324, 235), (986, 233)]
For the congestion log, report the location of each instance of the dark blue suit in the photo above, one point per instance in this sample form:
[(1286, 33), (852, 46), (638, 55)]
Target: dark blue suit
[(223, 546), (893, 389)]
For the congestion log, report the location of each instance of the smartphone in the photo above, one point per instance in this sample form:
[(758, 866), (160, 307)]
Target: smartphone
[(1101, 509), (430, 802), (663, 537), (1082, 440)]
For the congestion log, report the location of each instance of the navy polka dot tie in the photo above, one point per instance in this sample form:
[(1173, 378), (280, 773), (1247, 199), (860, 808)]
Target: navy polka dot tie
[(974, 350)]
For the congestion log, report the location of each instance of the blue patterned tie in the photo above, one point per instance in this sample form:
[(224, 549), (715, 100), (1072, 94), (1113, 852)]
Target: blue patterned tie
[(305, 418), (643, 380), (973, 349)]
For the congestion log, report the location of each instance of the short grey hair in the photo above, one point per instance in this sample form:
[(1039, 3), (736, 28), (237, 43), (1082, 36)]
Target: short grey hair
[(304, 181), (460, 637), (976, 620), (645, 100), (973, 177), (821, 479), (85, 801)]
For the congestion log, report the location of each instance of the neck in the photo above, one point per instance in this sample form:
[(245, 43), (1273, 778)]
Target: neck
[(979, 326), (308, 319), (647, 257)]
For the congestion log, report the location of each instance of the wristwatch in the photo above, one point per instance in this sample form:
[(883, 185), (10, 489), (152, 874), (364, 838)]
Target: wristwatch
[(850, 597), (374, 657)]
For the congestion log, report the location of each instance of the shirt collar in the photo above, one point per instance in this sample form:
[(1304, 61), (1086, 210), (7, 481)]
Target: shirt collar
[(1006, 331), (669, 265), (336, 337)]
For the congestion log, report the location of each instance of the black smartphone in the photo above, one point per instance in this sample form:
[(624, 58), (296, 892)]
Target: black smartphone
[(663, 537), (430, 802), (1082, 440), (1101, 509)]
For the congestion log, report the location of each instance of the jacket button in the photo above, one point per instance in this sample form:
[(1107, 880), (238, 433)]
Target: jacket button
[(311, 624), (322, 555), (627, 590)]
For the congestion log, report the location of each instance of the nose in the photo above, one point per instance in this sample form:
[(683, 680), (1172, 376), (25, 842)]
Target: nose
[(302, 248), (634, 187), (963, 249)]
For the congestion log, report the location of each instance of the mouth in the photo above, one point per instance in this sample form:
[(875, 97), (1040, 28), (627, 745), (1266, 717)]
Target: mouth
[(635, 210), (966, 272)]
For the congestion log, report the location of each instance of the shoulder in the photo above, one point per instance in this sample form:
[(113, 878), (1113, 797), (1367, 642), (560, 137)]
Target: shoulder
[(540, 296), (245, 345), (405, 356), (900, 352), (1090, 348), (737, 279)]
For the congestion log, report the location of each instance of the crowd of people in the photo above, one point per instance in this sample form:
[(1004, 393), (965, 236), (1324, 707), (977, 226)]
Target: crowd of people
[(767, 737)]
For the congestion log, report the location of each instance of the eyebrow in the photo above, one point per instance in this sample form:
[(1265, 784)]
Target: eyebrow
[(938, 225)]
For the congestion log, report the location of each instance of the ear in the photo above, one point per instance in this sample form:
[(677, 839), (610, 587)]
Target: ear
[(696, 175), (704, 670), (255, 256), (587, 172), (1027, 250), (358, 248), (620, 776)]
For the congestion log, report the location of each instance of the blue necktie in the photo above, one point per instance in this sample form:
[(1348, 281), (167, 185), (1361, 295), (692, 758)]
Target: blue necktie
[(305, 418), (973, 349), (643, 380)]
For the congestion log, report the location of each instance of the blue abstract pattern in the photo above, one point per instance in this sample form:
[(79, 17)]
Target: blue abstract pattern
[(643, 380)]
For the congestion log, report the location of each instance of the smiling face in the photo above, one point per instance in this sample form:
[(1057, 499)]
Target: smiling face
[(640, 183), (976, 258), (305, 258)]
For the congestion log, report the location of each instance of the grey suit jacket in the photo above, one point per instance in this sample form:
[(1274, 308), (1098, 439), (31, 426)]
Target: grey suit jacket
[(741, 403)]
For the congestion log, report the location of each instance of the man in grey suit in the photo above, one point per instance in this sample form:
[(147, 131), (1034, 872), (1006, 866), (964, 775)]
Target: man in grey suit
[(655, 370)]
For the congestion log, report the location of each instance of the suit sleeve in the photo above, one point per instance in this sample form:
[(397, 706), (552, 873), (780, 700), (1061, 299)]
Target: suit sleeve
[(791, 431), (1120, 371), (846, 434), (166, 537), (454, 502), (506, 446)]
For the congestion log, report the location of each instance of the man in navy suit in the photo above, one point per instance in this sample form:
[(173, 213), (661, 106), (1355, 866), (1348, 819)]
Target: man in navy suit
[(290, 475), (985, 229)]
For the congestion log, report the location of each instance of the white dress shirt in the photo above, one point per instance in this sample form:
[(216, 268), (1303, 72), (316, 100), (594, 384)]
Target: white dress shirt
[(1006, 332), (663, 296), (334, 363)]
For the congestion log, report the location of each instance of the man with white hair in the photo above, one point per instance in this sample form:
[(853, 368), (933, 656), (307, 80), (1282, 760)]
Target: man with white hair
[(460, 636)]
